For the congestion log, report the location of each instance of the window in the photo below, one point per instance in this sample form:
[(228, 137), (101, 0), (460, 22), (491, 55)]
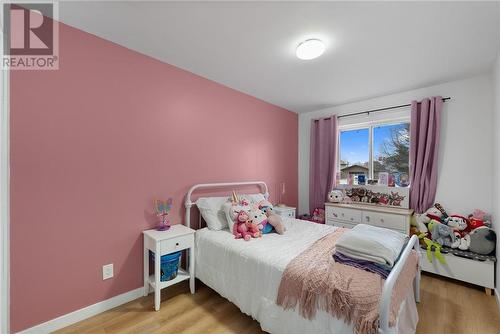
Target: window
[(368, 150)]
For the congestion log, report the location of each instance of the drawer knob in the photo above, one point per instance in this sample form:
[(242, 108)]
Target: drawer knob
[(352, 218), (335, 215), (367, 218), (177, 244), (382, 220)]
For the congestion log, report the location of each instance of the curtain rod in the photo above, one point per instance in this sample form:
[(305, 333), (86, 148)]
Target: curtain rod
[(381, 109)]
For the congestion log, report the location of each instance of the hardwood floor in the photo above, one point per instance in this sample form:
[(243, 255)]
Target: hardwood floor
[(446, 307)]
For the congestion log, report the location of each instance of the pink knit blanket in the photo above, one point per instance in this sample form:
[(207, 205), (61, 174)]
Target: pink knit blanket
[(315, 282)]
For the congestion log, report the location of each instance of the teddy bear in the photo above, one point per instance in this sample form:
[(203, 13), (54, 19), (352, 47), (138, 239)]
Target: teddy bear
[(441, 233), (240, 228)]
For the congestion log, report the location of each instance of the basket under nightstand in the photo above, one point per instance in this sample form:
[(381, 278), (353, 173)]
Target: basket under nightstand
[(177, 238)]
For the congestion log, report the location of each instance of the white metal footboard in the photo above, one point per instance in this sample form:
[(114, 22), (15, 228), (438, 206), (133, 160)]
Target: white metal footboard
[(385, 300)]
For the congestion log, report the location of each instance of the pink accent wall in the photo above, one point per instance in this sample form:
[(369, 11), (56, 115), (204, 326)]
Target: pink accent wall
[(94, 142)]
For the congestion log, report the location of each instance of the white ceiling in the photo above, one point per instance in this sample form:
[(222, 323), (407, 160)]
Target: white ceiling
[(373, 48)]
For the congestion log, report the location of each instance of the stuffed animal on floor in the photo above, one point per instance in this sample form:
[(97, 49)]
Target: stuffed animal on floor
[(441, 233), (318, 215), (240, 228), (274, 221)]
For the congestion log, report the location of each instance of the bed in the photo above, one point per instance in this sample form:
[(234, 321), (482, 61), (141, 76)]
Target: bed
[(249, 273)]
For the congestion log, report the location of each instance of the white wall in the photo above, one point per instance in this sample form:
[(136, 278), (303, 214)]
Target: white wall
[(496, 162), (465, 160)]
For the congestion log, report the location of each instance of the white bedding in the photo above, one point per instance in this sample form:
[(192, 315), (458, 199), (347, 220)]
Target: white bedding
[(249, 273), (371, 243)]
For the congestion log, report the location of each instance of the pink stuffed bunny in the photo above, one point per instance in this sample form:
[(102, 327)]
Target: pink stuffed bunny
[(240, 228)]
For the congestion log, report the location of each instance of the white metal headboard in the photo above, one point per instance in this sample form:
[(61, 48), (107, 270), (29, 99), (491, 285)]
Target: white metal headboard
[(189, 203)]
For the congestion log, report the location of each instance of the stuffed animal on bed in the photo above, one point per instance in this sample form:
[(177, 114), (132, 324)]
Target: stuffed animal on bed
[(257, 219), (240, 229), (253, 229), (254, 222), (274, 222)]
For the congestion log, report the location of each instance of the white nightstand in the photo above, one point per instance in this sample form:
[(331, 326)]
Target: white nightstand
[(284, 211), (177, 238)]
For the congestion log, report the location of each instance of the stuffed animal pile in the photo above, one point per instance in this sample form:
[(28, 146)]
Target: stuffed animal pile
[(455, 231), (251, 220)]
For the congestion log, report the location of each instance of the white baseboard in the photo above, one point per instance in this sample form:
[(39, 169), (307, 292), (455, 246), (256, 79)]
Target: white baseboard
[(84, 313)]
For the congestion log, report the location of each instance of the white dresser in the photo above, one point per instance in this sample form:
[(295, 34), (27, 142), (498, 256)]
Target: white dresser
[(348, 215)]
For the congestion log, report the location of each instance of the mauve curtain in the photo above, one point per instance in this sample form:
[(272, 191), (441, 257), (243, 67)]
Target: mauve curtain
[(424, 145), (323, 160)]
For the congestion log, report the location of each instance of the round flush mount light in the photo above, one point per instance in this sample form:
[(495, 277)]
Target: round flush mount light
[(310, 49)]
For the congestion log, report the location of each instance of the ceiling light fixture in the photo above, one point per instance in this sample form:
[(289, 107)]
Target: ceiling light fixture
[(310, 49)]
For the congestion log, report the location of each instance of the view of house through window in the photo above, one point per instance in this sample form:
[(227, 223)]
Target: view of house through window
[(368, 151)]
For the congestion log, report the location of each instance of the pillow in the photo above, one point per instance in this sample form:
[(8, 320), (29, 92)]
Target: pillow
[(212, 212), (253, 198)]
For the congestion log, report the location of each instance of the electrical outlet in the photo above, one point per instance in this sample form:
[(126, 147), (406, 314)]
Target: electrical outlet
[(107, 271)]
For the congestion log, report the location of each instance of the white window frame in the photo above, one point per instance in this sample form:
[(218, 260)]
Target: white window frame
[(367, 125)]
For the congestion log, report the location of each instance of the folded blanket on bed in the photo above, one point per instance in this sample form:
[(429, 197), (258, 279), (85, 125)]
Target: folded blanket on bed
[(313, 281), (362, 264), (370, 243)]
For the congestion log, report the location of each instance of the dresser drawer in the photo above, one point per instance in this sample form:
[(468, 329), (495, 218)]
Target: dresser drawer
[(284, 212), (348, 215), (287, 214), (391, 221), (177, 244), (338, 223)]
